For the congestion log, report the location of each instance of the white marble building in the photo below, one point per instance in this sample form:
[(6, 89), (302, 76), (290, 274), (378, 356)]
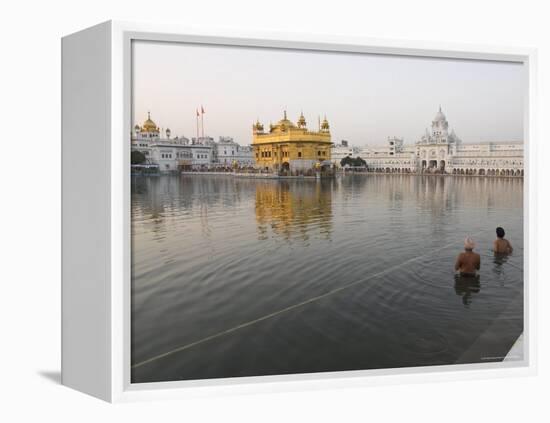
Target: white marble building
[(493, 159), (180, 153), (392, 157), (230, 153), (170, 154), (440, 151), (342, 150)]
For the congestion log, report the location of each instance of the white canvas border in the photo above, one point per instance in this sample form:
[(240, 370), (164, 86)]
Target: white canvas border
[(121, 388)]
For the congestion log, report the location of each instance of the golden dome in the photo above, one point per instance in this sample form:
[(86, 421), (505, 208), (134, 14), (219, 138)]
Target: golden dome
[(284, 122), (149, 125)]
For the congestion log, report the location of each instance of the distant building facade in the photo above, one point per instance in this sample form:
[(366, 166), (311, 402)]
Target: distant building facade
[(341, 151), (441, 151), (180, 153), (289, 146), (231, 154), (392, 157)]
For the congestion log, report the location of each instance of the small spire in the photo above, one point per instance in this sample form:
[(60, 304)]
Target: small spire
[(325, 126), (284, 114), (148, 114), (440, 107), (301, 120), (257, 126)]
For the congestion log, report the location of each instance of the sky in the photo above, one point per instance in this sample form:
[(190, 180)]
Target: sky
[(365, 97)]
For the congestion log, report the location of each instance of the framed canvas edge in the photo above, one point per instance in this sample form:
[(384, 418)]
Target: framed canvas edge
[(123, 33)]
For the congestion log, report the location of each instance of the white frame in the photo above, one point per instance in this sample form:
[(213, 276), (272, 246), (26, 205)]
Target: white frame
[(117, 386)]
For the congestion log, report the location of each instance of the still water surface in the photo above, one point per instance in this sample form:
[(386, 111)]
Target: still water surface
[(345, 274)]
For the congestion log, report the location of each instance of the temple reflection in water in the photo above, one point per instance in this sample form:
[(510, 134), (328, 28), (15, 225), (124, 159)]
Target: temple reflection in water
[(294, 208), (299, 208)]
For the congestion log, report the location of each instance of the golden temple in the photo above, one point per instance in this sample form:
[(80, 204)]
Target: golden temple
[(289, 146)]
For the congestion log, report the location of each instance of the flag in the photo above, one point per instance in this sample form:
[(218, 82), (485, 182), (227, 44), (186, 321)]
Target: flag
[(202, 110)]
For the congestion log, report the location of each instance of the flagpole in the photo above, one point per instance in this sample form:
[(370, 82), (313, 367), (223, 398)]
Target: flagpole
[(197, 117), (202, 120)]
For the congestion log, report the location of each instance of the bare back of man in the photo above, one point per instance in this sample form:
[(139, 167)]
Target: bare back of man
[(502, 246), (468, 263)]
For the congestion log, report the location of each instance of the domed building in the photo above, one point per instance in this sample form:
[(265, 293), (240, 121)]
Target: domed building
[(149, 129), (289, 146), (169, 153), (441, 152), (177, 153), (435, 148)]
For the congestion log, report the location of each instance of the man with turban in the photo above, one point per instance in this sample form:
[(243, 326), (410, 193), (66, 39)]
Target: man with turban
[(468, 262)]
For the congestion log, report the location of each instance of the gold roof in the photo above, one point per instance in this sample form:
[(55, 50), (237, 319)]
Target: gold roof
[(287, 131), (149, 125), (284, 122)]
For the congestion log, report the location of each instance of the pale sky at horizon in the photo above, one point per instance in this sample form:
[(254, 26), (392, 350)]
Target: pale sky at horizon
[(366, 98)]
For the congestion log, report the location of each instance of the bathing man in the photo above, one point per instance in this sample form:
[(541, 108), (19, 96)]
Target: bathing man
[(501, 245), (468, 262)]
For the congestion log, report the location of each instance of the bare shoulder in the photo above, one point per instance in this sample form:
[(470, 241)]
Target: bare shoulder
[(509, 246)]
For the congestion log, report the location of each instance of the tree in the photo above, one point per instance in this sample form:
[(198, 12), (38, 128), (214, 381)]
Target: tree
[(346, 161), (359, 162), (137, 157), (355, 162)]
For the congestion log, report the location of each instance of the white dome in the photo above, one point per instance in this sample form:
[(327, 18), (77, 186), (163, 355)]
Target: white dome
[(439, 116)]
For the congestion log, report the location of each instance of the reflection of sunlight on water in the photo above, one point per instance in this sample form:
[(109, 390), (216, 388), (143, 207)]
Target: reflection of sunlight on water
[(210, 253)]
